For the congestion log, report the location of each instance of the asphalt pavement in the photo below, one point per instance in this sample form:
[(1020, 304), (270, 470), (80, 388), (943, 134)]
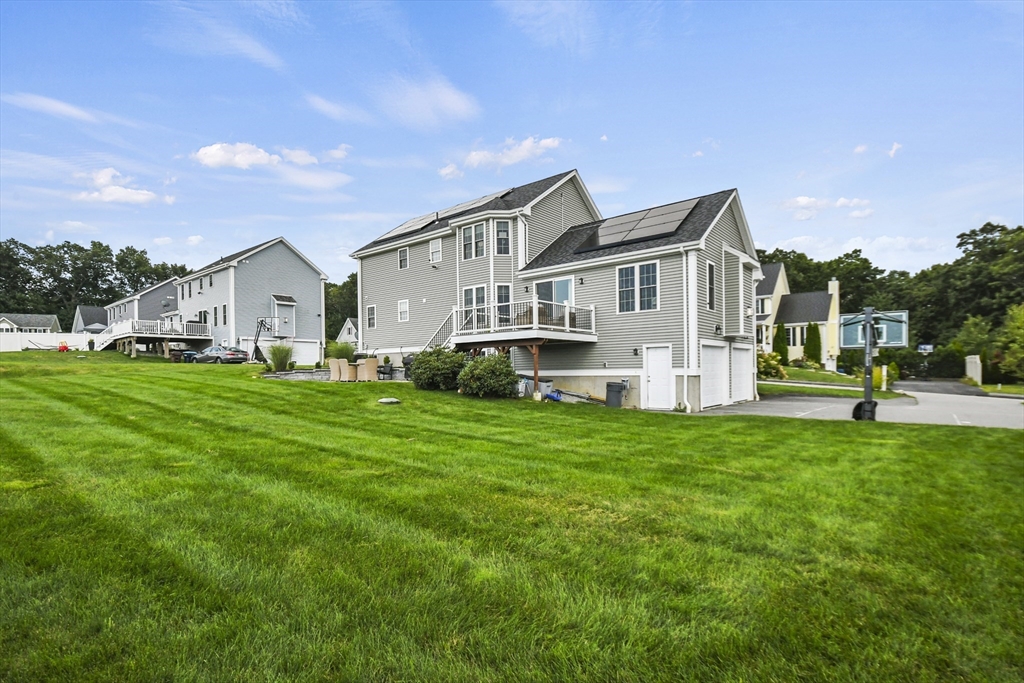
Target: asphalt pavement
[(919, 408), (938, 386)]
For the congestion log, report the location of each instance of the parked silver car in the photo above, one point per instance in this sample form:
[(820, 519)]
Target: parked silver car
[(221, 354)]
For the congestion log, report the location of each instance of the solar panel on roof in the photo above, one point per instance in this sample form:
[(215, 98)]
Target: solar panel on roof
[(640, 225), (426, 219)]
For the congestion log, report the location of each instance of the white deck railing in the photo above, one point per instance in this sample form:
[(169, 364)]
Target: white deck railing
[(151, 328), (524, 315)]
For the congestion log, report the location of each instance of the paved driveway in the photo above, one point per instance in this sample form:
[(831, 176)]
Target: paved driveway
[(922, 408), (938, 386)]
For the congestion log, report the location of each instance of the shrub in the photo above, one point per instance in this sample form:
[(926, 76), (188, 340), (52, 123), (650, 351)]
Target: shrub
[(876, 378), (438, 368), (812, 347), (490, 376), (341, 350), (779, 344), (280, 356), (894, 372), (1011, 342), (769, 366), (387, 359)]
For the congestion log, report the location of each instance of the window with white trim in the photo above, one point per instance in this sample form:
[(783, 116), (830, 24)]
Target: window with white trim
[(711, 286), (637, 287), (435, 250), (371, 317), (501, 241), (200, 284), (555, 291), (474, 302), (503, 297), (790, 336), (473, 242), (764, 306), (403, 311), (215, 324), (403, 258)]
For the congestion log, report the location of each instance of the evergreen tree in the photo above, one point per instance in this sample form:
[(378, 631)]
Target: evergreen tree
[(812, 347), (780, 345)]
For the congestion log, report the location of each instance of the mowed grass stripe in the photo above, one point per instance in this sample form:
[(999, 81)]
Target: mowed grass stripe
[(613, 546)]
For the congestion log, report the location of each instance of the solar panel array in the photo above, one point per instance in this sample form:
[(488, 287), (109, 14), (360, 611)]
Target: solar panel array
[(639, 225), (427, 219)]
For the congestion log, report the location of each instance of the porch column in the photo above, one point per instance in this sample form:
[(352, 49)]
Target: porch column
[(135, 344), (167, 348), (535, 350)]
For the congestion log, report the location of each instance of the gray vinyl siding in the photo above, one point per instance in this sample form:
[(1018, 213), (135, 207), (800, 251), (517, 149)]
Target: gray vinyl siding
[(475, 271), (725, 231), (619, 333), (274, 270), (748, 300), (431, 293), (150, 307), (732, 275)]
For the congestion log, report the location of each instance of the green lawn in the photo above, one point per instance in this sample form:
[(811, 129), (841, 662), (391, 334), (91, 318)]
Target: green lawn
[(853, 392), (806, 375), (1017, 389), (182, 522)]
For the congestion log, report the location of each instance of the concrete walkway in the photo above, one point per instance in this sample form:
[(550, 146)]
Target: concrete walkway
[(919, 408)]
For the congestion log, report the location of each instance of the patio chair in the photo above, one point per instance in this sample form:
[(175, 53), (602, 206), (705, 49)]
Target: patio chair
[(346, 371), (385, 371), (366, 370), (335, 367)]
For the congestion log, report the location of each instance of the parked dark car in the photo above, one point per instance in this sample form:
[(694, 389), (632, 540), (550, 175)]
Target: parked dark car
[(188, 356), (221, 354)]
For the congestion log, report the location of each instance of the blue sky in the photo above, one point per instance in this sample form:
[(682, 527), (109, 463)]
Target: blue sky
[(193, 130)]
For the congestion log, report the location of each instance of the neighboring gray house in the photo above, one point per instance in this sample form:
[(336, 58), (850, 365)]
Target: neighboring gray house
[(349, 332), (662, 297), (28, 323), (90, 320), (777, 306), (272, 281), (151, 303)]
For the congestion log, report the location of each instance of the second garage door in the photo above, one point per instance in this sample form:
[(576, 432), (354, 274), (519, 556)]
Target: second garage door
[(714, 376), (742, 374)]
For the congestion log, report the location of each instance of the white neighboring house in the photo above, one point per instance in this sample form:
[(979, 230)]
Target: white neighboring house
[(28, 323), (349, 332), (89, 320), (272, 281)]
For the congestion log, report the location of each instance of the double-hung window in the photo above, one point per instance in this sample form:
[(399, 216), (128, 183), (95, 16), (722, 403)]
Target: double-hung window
[(764, 306), (501, 243), (371, 317), (403, 258), (189, 289), (638, 287), (200, 284), (474, 303), (403, 311), (711, 286), (473, 242), (224, 314), (435, 250), (215, 324)]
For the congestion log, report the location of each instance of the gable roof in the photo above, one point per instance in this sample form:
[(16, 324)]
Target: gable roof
[(144, 290), (32, 319), (92, 315), (766, 287), (233, 259), (510, 200), (569, 246), (806, 307)]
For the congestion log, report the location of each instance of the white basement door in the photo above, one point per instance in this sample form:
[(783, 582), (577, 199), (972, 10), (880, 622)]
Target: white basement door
[(714, 376), (659, 374), (742, 374)]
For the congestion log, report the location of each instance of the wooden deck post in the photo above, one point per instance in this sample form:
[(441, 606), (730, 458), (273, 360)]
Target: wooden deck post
[(167, 348)]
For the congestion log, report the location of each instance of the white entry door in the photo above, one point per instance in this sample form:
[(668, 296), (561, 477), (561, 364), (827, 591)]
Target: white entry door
[(742, 374), (659, 376), (714, 375)]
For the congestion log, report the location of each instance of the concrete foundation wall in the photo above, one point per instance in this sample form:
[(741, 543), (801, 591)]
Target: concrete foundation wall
[(692, 392), (595, 386)]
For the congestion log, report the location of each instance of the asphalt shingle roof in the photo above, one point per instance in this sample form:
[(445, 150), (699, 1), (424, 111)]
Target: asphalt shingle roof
[(516, 198), (32, 319), (766, 287), (564, 249), (93, 315), (807, 307)]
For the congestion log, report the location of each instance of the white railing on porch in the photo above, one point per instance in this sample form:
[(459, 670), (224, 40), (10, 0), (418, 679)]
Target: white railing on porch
[(524, 315), (151, 328)]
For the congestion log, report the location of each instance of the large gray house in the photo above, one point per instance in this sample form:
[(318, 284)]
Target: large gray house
[(662, 297), (273, 282), (150, 303)]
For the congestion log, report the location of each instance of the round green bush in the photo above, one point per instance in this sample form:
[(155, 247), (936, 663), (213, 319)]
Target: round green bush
[(769, 366), (490, 376), (341, 350), (438, 368)]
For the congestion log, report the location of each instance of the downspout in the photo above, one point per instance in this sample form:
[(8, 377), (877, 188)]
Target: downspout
[(231, 305), (686, 336), (323, 318), (359, 305)]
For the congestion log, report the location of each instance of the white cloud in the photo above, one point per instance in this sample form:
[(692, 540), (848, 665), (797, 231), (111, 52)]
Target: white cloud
[(425, 105), (196, 30), (862, 213), (162, 240), (313, 179), (572, 25), (844, 202), (193, 240), (604, 138), (298, 156), (860, 149), (806, 203), (169, 199), (238, 155), (46, 105), (698, 153), (450, 172), (74, 227), (892, 152), (337, 111), (885, 251), (805, 208), (338, 153), (112, 188), (512, 153)]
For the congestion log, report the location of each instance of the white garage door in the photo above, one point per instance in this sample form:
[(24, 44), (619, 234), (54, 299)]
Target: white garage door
[(742, 374), (714, 376)]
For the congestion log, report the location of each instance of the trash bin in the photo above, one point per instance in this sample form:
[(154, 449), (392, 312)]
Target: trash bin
[(613, 394), (545, 385)]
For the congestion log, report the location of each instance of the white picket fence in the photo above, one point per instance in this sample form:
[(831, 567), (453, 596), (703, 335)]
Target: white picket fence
[(20, 341)]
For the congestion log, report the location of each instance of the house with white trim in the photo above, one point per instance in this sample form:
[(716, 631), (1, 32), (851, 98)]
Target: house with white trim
[(661, 298), (349, 333), (775, 305), (28, 323)]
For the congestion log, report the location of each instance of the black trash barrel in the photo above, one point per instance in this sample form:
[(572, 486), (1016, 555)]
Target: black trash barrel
[(613, 394)]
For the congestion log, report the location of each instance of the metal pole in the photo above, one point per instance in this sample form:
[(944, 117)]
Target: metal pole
[(869, 365)]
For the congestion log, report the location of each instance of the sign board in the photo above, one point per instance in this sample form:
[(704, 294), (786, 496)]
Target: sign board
[(891, 330), (925, 348)]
